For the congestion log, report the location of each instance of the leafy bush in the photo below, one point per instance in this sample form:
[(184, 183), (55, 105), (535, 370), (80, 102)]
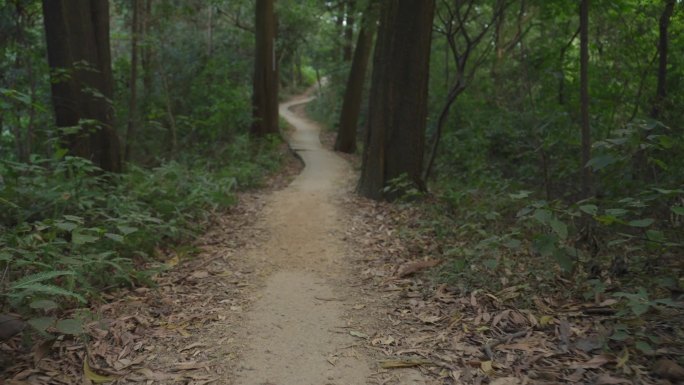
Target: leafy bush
[(68, 231)]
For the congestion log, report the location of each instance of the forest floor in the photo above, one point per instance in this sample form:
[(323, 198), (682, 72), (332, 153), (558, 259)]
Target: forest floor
[(306, 283)]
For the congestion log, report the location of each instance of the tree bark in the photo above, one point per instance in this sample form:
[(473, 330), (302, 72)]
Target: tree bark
[(661, 90), (146, 51), (584, 99), (77, 35), (133, 102), (265, 94), (353, 94), (398, 101), (349, 30)]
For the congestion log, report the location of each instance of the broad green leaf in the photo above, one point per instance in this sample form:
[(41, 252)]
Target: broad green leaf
[(679, 210), (619, 335), (589, 209), (643, 347), (491, 263), (543, 215), (641, 222), (127, 229), (115, 237), (69, 326), (545, 244), (44, 304), (66, 226), (42, 323), (560, 228), (73, 218), (82, 239), (639, 308), (564, 261), (601, 161), (520, 195)]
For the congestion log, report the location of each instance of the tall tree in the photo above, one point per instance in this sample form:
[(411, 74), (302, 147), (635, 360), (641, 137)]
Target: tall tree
[(661, 90), (133, 82), (77, 35), (584, 98), (350, 8), (398, 98), (265, 96), (353, 94)]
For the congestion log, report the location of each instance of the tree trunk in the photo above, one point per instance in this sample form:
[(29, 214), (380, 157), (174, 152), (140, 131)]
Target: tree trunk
[(661, 90), (133, 102), (349, 30), (353, 94), (265, 94), (77, 35), (584, 99), (398, 100), (146, 52)]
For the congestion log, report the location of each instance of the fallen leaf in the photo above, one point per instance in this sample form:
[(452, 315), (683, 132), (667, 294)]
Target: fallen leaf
[(190, 365), (358, 334), (95, 377), (404, 363), (414, 267), (668, 369), (606, 379), (173, 261), (505, 381), (487, 368), (157, 376), (358, 307), (594, 363)]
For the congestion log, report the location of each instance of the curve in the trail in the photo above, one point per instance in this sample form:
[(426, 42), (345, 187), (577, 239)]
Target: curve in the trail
[(296, 330)]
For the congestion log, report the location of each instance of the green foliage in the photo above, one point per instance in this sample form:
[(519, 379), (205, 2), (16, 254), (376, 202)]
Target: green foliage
[(70, 231)]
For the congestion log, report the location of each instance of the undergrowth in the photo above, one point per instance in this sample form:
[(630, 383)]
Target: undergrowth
[(69, 232), (622, 257)]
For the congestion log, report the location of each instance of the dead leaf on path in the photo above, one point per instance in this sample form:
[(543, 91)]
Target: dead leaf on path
[(149, 374), (668, 369), (594, 363), (173, 261), (93, 377), (404, 363), (487, 368), (414, 267), (358, 307), (192, 346), (199, 274), (358, 334), (41, 349), (606, 379), (505, 381), (190, 365), (389, 340)]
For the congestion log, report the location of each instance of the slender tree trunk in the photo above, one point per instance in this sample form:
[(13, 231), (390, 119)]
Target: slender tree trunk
[(398, 101), (349, 30), (146, 57), (584, 99), (133, 102), (265, 96), (169, 113), (210, 32), (353, 94), (661, 90), (77, 35)]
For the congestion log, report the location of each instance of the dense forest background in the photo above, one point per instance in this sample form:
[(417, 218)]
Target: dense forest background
[(542, 142)]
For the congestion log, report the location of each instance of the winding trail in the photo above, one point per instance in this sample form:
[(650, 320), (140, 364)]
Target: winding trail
[(296, 327)]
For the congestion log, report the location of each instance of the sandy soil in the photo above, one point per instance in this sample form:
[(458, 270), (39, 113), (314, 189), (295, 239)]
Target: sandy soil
[(299, 329)]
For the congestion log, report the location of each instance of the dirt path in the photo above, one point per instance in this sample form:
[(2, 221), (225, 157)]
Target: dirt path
[(296, 328)]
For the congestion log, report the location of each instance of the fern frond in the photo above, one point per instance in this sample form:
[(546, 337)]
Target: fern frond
[(39, 277), (47, 289)]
